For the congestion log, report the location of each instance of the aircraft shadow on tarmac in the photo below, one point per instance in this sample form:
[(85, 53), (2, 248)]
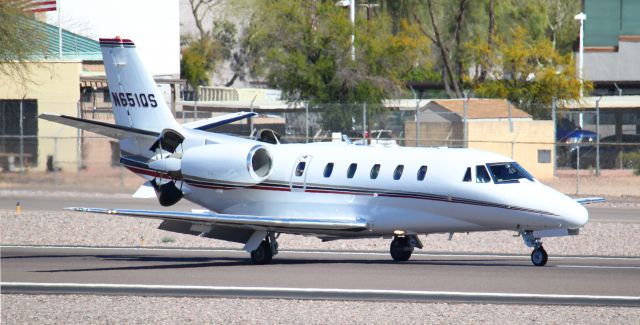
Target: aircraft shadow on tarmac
[(204, 262)]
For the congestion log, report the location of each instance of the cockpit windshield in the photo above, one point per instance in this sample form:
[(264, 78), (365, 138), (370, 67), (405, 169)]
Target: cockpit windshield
[(508, 172)]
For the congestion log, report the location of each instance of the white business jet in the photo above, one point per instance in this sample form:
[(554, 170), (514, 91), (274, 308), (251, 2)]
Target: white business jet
[(253, 191)]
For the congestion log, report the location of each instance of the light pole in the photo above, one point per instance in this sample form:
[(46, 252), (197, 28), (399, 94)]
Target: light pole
[(581, 17), (352, 15)]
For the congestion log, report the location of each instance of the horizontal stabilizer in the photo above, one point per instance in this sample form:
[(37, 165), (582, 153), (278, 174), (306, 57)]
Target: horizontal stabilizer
[(213, 122), (241, 221), (102, 128), (589, 200)]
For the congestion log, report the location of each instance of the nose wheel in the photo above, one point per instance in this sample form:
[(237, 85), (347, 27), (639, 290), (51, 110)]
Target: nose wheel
[(539, 256)]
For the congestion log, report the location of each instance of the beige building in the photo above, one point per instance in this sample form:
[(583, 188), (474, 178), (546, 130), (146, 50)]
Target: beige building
[(50, 86), (492, 125)]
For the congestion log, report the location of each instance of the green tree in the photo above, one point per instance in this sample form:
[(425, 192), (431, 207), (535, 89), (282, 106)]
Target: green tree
[(20, 40), (199, 58), (458, 27), (530, 73), (304, 48), (202, 53)]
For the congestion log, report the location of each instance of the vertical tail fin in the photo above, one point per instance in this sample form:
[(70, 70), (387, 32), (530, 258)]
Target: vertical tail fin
[(136, 100)]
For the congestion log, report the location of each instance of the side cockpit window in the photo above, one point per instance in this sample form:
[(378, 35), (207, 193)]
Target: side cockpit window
[(510, 172), (482, 175), (467, 175)]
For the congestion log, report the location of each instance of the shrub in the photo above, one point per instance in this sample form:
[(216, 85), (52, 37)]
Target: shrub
[(630, 160), (168, 240)]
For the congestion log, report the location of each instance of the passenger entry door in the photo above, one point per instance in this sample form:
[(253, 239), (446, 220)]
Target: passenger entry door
[(299, 173)]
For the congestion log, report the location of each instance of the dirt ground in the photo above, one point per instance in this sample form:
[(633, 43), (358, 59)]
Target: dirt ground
[(616, 185)]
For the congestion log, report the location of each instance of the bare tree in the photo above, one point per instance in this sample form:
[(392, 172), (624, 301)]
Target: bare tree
[(450, 50)]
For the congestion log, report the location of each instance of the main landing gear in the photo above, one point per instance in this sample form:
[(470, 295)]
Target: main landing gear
[(267, 249), (539, 256), (402, 247)]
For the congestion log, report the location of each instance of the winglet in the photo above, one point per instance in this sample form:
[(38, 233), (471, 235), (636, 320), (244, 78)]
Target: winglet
[(589, 200)]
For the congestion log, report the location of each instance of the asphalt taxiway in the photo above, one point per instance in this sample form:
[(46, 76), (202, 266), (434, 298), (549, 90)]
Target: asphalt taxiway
[(575, 280)]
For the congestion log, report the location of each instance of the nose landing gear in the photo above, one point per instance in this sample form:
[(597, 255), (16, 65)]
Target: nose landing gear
[(539, 256)]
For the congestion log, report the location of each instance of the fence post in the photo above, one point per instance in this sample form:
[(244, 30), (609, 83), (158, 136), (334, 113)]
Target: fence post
[(578, 170), (598, 136), (510, 120), (417, 122), (251, 118), (465, 131), (364, 123), (79, 140), (21, 140), (306, 122), (512, 145), (195, 104), (555, 140)]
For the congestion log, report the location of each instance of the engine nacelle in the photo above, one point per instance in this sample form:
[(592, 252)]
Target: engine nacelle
[(243, 164)]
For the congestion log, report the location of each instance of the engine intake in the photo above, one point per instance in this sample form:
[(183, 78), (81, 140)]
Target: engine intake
[(239, 164)]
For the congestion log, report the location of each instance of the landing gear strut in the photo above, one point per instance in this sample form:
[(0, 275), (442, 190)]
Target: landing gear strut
[(402, 247), (265, 252), (539, 256)]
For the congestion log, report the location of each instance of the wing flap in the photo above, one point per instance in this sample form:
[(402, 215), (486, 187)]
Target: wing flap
[(102, 128), (242, 221)]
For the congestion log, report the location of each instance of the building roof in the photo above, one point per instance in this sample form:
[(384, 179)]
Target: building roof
[(74, 46), (608, 102), (479, 108)]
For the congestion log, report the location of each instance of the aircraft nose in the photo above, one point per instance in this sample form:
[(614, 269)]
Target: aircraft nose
[(577, 216)]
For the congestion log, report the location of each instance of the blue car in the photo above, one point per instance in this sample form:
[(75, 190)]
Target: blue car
[(578, 136)]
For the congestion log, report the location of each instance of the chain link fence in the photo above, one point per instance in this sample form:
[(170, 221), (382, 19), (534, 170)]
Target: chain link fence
[(552, 141)]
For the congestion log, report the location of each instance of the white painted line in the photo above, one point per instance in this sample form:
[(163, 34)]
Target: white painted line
[(597, 267), (320, 252), (253, 290)]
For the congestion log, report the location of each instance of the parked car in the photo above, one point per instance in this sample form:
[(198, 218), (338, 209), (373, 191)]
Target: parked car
[(383, 138), (610, 152), (569, 143), (579, 136)]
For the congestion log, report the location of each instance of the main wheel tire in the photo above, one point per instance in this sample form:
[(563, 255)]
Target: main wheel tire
[(262, 254), (539, 256), (400, 249)]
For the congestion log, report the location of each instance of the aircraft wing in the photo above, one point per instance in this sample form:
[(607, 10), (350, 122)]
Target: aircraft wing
[(241, 221), (589, 200), (102, 128), (213, 122)]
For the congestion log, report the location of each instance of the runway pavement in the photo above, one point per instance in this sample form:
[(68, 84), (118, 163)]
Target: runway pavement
[(52, 203), (321, 275)]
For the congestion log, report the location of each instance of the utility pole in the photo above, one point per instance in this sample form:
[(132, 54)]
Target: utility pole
[(581, 17)]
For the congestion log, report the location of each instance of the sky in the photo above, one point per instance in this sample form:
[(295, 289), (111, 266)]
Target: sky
[(153, 25)]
